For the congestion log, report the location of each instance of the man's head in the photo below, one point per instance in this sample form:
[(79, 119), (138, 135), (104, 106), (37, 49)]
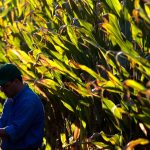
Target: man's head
[(10, 78)]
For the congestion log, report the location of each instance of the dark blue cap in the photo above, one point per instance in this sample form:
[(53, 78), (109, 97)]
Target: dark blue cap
[(8, 72)]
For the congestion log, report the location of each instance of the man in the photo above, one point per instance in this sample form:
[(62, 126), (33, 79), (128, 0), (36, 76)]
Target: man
[(22, 119)]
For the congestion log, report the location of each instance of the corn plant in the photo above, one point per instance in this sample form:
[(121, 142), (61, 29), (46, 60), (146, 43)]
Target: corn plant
[(89, 62)]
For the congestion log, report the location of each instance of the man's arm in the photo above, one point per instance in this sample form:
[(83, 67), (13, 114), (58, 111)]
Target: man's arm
[(24, 117), (5, 113)]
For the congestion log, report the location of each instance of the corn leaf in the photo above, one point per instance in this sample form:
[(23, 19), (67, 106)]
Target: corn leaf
[(109, 105)]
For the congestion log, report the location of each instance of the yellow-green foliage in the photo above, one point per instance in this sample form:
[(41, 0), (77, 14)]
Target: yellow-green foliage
[(89, 62)]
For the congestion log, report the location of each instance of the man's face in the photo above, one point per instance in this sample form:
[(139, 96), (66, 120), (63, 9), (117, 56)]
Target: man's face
[(9, 89)]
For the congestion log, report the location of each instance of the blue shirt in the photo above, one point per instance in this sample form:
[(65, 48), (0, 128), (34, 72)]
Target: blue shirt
[(23, 120)]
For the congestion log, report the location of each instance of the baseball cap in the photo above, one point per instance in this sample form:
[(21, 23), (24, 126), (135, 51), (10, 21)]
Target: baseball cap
[(8, 72)]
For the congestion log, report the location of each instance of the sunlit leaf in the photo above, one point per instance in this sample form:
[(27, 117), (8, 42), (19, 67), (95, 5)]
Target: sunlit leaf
[(111, 76), (28, 39), (142, 127), (88, 26), (72, 35), (87, 69), (100, 145), (40, 92), (5, 12), (67, 106), (108, 104), (113, 139), (26, 70), (48, 83), (22, 56), (133, 143), (110, 86), (48, 147), (83, 124), (63, 137), (147, 9), (78, 88), (20, 5), (134, 84), (1, 106), (115, 6), (144, 119), (2, 55)]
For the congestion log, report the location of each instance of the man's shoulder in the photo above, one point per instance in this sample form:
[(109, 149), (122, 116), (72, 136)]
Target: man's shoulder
[(28, 92), (30, 97), (8, 103)]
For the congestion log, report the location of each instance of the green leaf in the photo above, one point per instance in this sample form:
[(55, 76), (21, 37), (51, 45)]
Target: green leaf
[(88, 26), (136, 34), (115, 6), (115, 35), (145, 119), (26, 70), (110, 86), (48, 147), (83, 124), (72, 35), (112, 77), (2, 55), (78, 88), (1, 106), (28, 39), (20, 5), (2, 96), (67, 106), (147, 9), (5, 12), (50, 2), (23, 56), (63, 137), (87, 69), (56, 40), (90, 2), (48, 83), (134, 84), (113, 139), (109, 105)]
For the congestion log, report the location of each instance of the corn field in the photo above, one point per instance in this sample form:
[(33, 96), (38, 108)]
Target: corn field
[(89, 60)]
